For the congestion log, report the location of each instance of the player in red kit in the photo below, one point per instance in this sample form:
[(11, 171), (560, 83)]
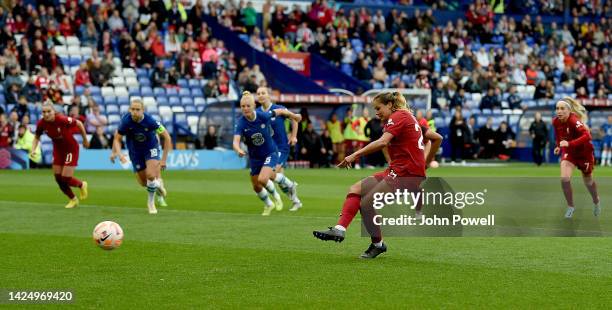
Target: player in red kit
[(403, 138), (60, 129), (575, 149)]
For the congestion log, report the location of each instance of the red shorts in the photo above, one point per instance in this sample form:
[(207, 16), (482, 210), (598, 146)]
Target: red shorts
[(584, 163), (410, 182), (66, 155)]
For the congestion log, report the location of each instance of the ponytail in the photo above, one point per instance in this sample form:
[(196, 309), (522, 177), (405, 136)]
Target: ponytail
[(577, 109)]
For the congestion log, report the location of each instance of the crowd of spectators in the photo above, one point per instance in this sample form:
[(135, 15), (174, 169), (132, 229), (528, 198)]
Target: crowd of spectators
[(381, 50)]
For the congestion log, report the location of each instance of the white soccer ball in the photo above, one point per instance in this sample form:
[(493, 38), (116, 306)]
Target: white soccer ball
[(108, 235), (434, 164)]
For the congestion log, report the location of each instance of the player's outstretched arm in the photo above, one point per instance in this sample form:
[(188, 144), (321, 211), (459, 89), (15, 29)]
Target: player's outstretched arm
[(236, 146), (289, 114), (167, 147), (372, 147), (35, 143), (79, 125), (294, 131), (117, 148), (436, 141)]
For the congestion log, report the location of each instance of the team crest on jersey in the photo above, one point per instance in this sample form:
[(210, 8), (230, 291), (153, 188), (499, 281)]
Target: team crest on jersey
[(390, 122), (257, 139), (140, 137), (263, 126)]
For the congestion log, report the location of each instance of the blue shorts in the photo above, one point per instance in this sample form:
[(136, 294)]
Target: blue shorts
[(607, 141), (269, 161), (283, 156), (139, 157)]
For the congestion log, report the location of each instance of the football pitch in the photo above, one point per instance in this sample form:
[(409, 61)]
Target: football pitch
[(211, 248)]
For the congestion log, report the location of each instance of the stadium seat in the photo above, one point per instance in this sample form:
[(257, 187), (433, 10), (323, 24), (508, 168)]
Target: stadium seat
[(97, 99), (110, 100), (67, 99), (74, 50), (191, 109), (162, 100), (183, 83), (174, 101), (123, 109), (129, 72), (196, 92), (131, 81), (186, 101), (199, 101), (107, 91), (152, 109), (149, 101), (134, 91), (193, 120), (121, 91), (146, 91), (112, 109), (72, 40), (75, 60), (172, 91), (178, 109), (114, 119), (159, 91), (165, 112), (184, 92), (194, 83), (86, 52), (118, 81), (123, 101), (144, 81)]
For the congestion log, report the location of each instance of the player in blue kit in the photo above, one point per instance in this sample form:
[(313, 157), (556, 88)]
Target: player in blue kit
[(255, 127), (606, 155), (283, 144), (141, 132)]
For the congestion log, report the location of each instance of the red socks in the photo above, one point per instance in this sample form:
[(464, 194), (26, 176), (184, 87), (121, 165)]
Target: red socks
[(72, 181), (349, 209), (63, 185)]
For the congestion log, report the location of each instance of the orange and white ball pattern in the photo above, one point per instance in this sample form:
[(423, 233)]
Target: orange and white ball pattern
[(108, 235)]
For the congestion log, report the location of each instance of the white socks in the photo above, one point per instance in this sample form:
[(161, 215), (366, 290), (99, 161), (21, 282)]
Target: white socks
[(151, 189), (263, 195), (284, 182), (340, 228), (606, 158), (272, 190), (379, 244)]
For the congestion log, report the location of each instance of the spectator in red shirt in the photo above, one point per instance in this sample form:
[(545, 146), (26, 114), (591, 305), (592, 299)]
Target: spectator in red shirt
[(6, 132), (81, 77)]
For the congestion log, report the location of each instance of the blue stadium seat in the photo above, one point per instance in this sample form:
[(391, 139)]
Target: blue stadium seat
[(75, 60), (141, 72), (95, 90), (183, 83), (123, 109), (184, 92), (113, 119), (112, 109), (174, 101), (146, 91), (162, 100), (159, 91), (110, 100), (194, 83), (79, 90), (197, 92), (191, 109), (123, 101), (97, 99), (186, 101), (145, 81), (134, 91), (200, 101), (172, 92)]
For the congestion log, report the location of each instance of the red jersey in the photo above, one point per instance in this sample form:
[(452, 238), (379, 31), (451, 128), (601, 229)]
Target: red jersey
[(6, 133), (406, 148), (576, 134), (60, 131)]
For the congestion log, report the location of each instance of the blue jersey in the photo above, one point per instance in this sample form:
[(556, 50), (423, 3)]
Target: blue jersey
[(140, 136), (279, 134), (257, 134), (607, 129)]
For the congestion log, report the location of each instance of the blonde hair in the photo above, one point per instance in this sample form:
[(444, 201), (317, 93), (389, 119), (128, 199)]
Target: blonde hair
[(576, 108), (397, 100), (246, 95), (138, 100)]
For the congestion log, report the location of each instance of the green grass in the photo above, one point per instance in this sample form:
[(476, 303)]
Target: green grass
[(212, 249)]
